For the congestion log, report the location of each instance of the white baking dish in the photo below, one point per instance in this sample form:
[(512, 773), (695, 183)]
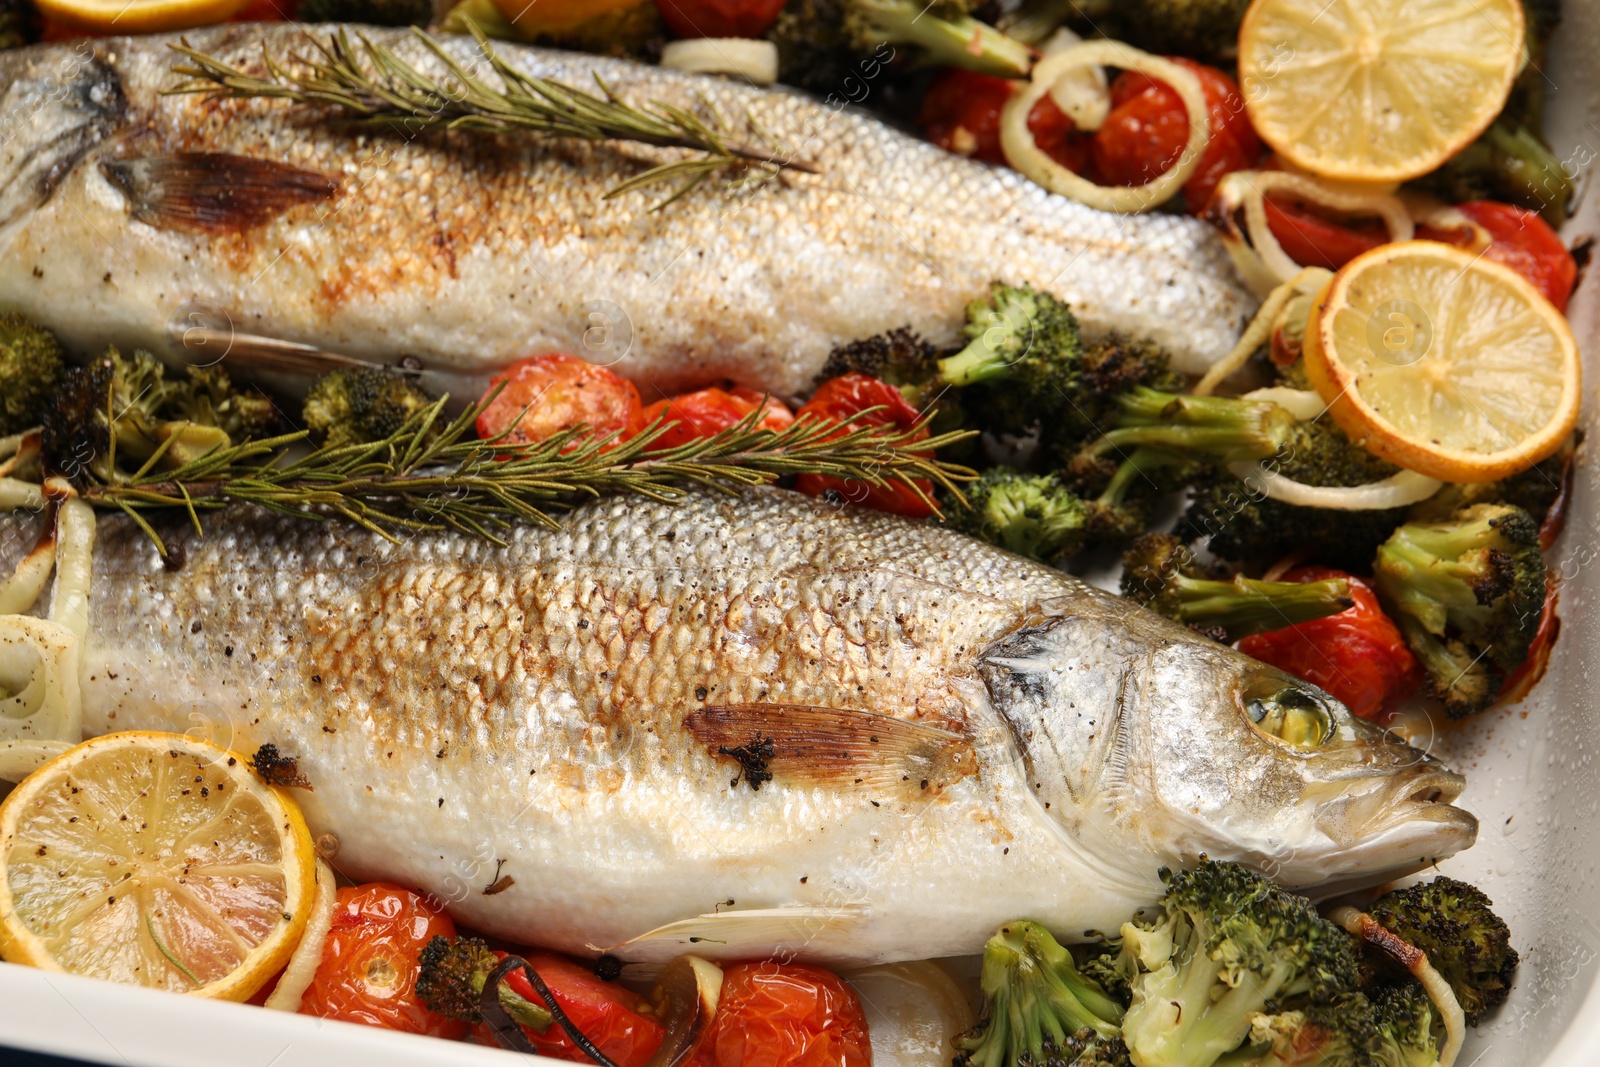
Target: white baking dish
[(1533, 781)]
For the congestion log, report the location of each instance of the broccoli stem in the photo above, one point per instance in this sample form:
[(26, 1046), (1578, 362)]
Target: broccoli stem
[(1245, 606), (1224, 427), (957, 42)]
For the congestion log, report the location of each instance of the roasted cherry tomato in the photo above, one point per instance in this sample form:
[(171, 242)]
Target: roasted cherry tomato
[(1313, 241), (608, 1014), (785, 1015), (837, 399), (559, 392), (710, 411), (719, 18), (1357, 655), (1521, 240), (1148, 127), (961, 113), (368, 972)]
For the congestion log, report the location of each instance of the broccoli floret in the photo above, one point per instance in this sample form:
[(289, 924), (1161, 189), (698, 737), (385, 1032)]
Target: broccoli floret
[(822, 43), (30, 367), (1534, 490), (19, 23), (360, 405), (1243, 525), (121, 410), (1468, 593), (452, 978), (1033, 515), (1207, 30), (1507, 162), (1227, 947), (1021, 336), (1409, 1027), (1036, 1004), (902, 357), (373, 12), (1220, 428), (1160, 572), (1344, 1032), (1467, 943)]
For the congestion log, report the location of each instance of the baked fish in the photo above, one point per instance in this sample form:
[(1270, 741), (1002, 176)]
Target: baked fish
[(753, 725), (136, 219)]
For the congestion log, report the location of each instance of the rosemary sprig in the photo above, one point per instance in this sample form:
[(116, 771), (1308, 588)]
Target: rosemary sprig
[(374, 86), (434, 475)]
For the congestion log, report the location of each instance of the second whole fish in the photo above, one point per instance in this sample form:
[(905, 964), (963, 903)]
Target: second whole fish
[(744, 726), (132, 218)]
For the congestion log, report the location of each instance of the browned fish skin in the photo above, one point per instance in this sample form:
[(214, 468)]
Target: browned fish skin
[(554, 704), (470, 251)]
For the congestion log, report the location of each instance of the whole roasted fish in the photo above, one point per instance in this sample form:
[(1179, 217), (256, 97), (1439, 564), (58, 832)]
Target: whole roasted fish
[(753, 725), (137, 219)]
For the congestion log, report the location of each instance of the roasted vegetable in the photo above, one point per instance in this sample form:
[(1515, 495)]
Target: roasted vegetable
[(452, 978), (30, 367), (1038, 1005), (1227, 949), (822, 43), (19, 23), (1030, 514), (1468, 593), (1244, 525), (1207, 30), (1467, 943), (1408, 1025), (360, 405), (1160, 572)]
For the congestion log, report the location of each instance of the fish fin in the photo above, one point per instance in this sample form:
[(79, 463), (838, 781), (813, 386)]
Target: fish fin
[(759, 933), (834, 746), (213, 192)]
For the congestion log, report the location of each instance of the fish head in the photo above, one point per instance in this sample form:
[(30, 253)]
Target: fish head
[(1177, 746), (55, 105)]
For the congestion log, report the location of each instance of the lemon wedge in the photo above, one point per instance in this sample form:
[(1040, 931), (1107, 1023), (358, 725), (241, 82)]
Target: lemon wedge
[(139, 16), (155, 860), (1377, 90), (1443, 362)]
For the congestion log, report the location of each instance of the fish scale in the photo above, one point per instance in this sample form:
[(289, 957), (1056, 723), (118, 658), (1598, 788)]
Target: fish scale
[(469, 251), (954, 736)]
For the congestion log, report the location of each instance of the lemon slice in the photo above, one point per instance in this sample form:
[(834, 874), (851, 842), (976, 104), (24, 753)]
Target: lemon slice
[(155, 860), (1443, 362), (1377, 90), (139, 16)]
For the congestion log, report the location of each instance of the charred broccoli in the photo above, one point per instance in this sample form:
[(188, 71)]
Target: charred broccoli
[(1467, 943), (1468, 593), (128, 409), (823, 43), (1160, 572), (1207, 30), (452, 978), (1534, 490), (1227, 949), (1344, 1032), (1039, 1008), (1507, 162), (1244, 525), (1032, 515), (30, 366), (373, 12), (1219, 428), (1407, 1024), (360, 405), (902, 357)]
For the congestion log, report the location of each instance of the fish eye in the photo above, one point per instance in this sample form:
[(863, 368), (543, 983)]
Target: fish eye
[(1293, 716)]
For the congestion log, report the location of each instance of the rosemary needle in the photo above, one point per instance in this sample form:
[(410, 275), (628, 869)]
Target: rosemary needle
[(372, 85)]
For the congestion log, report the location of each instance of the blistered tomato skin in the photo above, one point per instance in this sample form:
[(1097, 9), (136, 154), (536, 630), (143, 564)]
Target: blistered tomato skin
[(607, 1013), (369, 966), (544, 395), (1358, 655), (710, 411), (1521, 240), (837, 399), (785, 1015)]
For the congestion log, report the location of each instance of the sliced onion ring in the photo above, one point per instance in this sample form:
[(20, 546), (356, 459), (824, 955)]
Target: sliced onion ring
[(1257, 184), (1260, 329), (686, 995), (1395, 491), (1022, 153), (1413, 959), (302, 967), (1303, 404), (755, 61)]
